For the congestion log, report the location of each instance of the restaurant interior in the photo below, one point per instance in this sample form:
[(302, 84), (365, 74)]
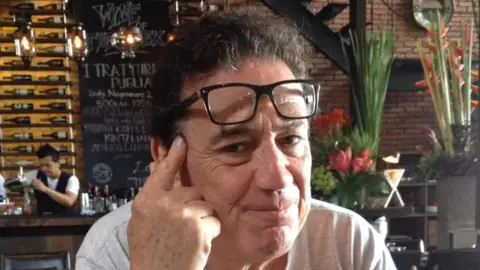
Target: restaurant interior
[(76, 75)]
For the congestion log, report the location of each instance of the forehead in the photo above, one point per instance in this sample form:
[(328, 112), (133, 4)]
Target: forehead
[(46, 159), (251, 71)]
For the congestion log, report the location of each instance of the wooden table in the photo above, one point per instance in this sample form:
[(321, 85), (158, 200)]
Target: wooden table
[(43, 234)]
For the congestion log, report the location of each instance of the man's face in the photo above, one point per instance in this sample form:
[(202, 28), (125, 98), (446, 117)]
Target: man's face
[(256, 175), (48, 166)]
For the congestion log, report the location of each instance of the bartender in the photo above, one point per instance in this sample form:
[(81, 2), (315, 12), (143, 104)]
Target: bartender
[(55, 191)]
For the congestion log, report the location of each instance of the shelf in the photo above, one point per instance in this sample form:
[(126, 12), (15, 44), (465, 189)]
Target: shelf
[(34, 83), (34, 111), (33, 154), (11, 97), (35, 68), (38, 12), (36, 140), (417, 184), (37, 24), (31, 167), (40, 54), (34, 125), (37, 40), (389, 212)]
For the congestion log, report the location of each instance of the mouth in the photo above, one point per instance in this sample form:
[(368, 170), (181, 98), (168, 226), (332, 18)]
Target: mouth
[(270, 216)]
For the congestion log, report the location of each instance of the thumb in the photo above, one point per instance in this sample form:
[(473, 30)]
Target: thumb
[(212, 227)]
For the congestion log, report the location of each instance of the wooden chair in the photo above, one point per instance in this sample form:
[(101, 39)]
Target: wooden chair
[(48, 261), (407, 260)]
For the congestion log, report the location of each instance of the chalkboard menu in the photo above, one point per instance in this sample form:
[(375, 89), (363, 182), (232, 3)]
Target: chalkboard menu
[(115, 92)]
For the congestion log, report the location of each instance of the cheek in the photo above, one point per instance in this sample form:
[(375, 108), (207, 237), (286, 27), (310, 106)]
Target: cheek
[(221, 185)]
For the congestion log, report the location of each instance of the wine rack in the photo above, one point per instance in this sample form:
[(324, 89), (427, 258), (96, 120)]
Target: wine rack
[(36, 102)]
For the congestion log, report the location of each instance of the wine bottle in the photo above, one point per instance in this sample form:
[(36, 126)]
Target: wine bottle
[(51, 63), (25, 163), (63, 161), (19, 120), (51, 20), (23, 136), (52, 49), (53, 91), (56, 135), (20, 106), (25, 6), (51, 7), (52, 35), (61, 148), (23, 149), (56, 120), (23, 77), (9, 49), (14, 63), (55, 106), (7, 19), (52, 78), (21, 92)]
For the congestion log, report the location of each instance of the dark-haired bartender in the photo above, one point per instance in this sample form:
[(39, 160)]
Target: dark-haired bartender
[(55, 191)]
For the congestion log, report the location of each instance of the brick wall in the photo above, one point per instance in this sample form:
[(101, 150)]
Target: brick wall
[(405, 112)]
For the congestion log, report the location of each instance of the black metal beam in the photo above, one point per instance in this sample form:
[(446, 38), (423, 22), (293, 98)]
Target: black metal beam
[(325, 40)]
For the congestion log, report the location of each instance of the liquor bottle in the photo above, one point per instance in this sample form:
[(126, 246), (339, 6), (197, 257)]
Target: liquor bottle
[(52, 49), (19, 120), (9, 49), (24, 163), (23, 149), (63, 161), (55, 106), (23, 77), (25, 6), (56, 120), (98, 201), (51, 7), (61, 148), (14, 63), (57, 135), (51, 35), (53, 91), (21, 92), (8, 36), (20, 106), (23, 136), (52, 78), (51, 20), (51, 63)]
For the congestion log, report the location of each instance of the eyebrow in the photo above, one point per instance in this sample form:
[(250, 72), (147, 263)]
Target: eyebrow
[(242, 129)]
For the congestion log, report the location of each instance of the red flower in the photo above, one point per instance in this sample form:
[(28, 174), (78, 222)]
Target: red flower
[(341, 161), (361, 162), (322, 123)]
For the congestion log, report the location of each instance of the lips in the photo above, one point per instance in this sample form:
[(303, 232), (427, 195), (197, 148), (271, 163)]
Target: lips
[(271, 214)]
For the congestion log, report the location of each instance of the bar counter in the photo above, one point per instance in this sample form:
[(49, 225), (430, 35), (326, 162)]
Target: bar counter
[(43, 234)]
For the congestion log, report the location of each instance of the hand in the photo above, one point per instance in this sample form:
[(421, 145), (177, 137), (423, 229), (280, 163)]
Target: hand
[(171, 227), (5, 207), (37, 184)]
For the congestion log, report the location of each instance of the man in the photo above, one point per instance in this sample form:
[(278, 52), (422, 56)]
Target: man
[(4, 206), (55, 191), (230, 123)]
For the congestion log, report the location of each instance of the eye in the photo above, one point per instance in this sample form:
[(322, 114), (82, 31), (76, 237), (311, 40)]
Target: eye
[(290, 140), (235, 148)]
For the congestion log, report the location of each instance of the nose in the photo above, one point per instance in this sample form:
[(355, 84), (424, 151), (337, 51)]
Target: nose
[(272, 172)]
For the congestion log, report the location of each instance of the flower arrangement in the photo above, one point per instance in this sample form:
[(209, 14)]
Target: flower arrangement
[(343, 166), (447, 66)]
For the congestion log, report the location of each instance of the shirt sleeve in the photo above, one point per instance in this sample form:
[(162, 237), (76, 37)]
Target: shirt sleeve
[(73, 185)]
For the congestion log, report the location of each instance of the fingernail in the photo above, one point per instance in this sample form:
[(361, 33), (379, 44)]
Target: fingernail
[(179, 141)]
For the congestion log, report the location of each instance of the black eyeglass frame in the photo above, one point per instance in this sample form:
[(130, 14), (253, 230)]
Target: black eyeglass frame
[(259, 91)]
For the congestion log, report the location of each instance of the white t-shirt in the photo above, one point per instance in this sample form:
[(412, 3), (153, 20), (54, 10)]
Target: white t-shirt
[(73, 184), (332, 238)]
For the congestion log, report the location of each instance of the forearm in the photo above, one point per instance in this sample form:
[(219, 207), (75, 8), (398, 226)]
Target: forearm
[(59, 197)]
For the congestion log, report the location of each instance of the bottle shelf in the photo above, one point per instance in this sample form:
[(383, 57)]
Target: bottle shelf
[(38, 12), (34, 125), (31, 167), (38, 25), (12, 97), (36, 140), (40, 54), (35, 83), (34, 68), (34, 111), (71, 154), (37, 40)]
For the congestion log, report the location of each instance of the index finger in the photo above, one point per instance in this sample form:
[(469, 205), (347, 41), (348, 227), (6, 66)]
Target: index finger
[(163, 176)]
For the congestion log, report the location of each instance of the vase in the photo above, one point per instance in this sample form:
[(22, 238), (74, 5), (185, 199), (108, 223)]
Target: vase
[(456, 196), (351, 198)]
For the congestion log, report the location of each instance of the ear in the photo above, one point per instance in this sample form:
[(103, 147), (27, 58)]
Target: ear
[(157, 149)]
